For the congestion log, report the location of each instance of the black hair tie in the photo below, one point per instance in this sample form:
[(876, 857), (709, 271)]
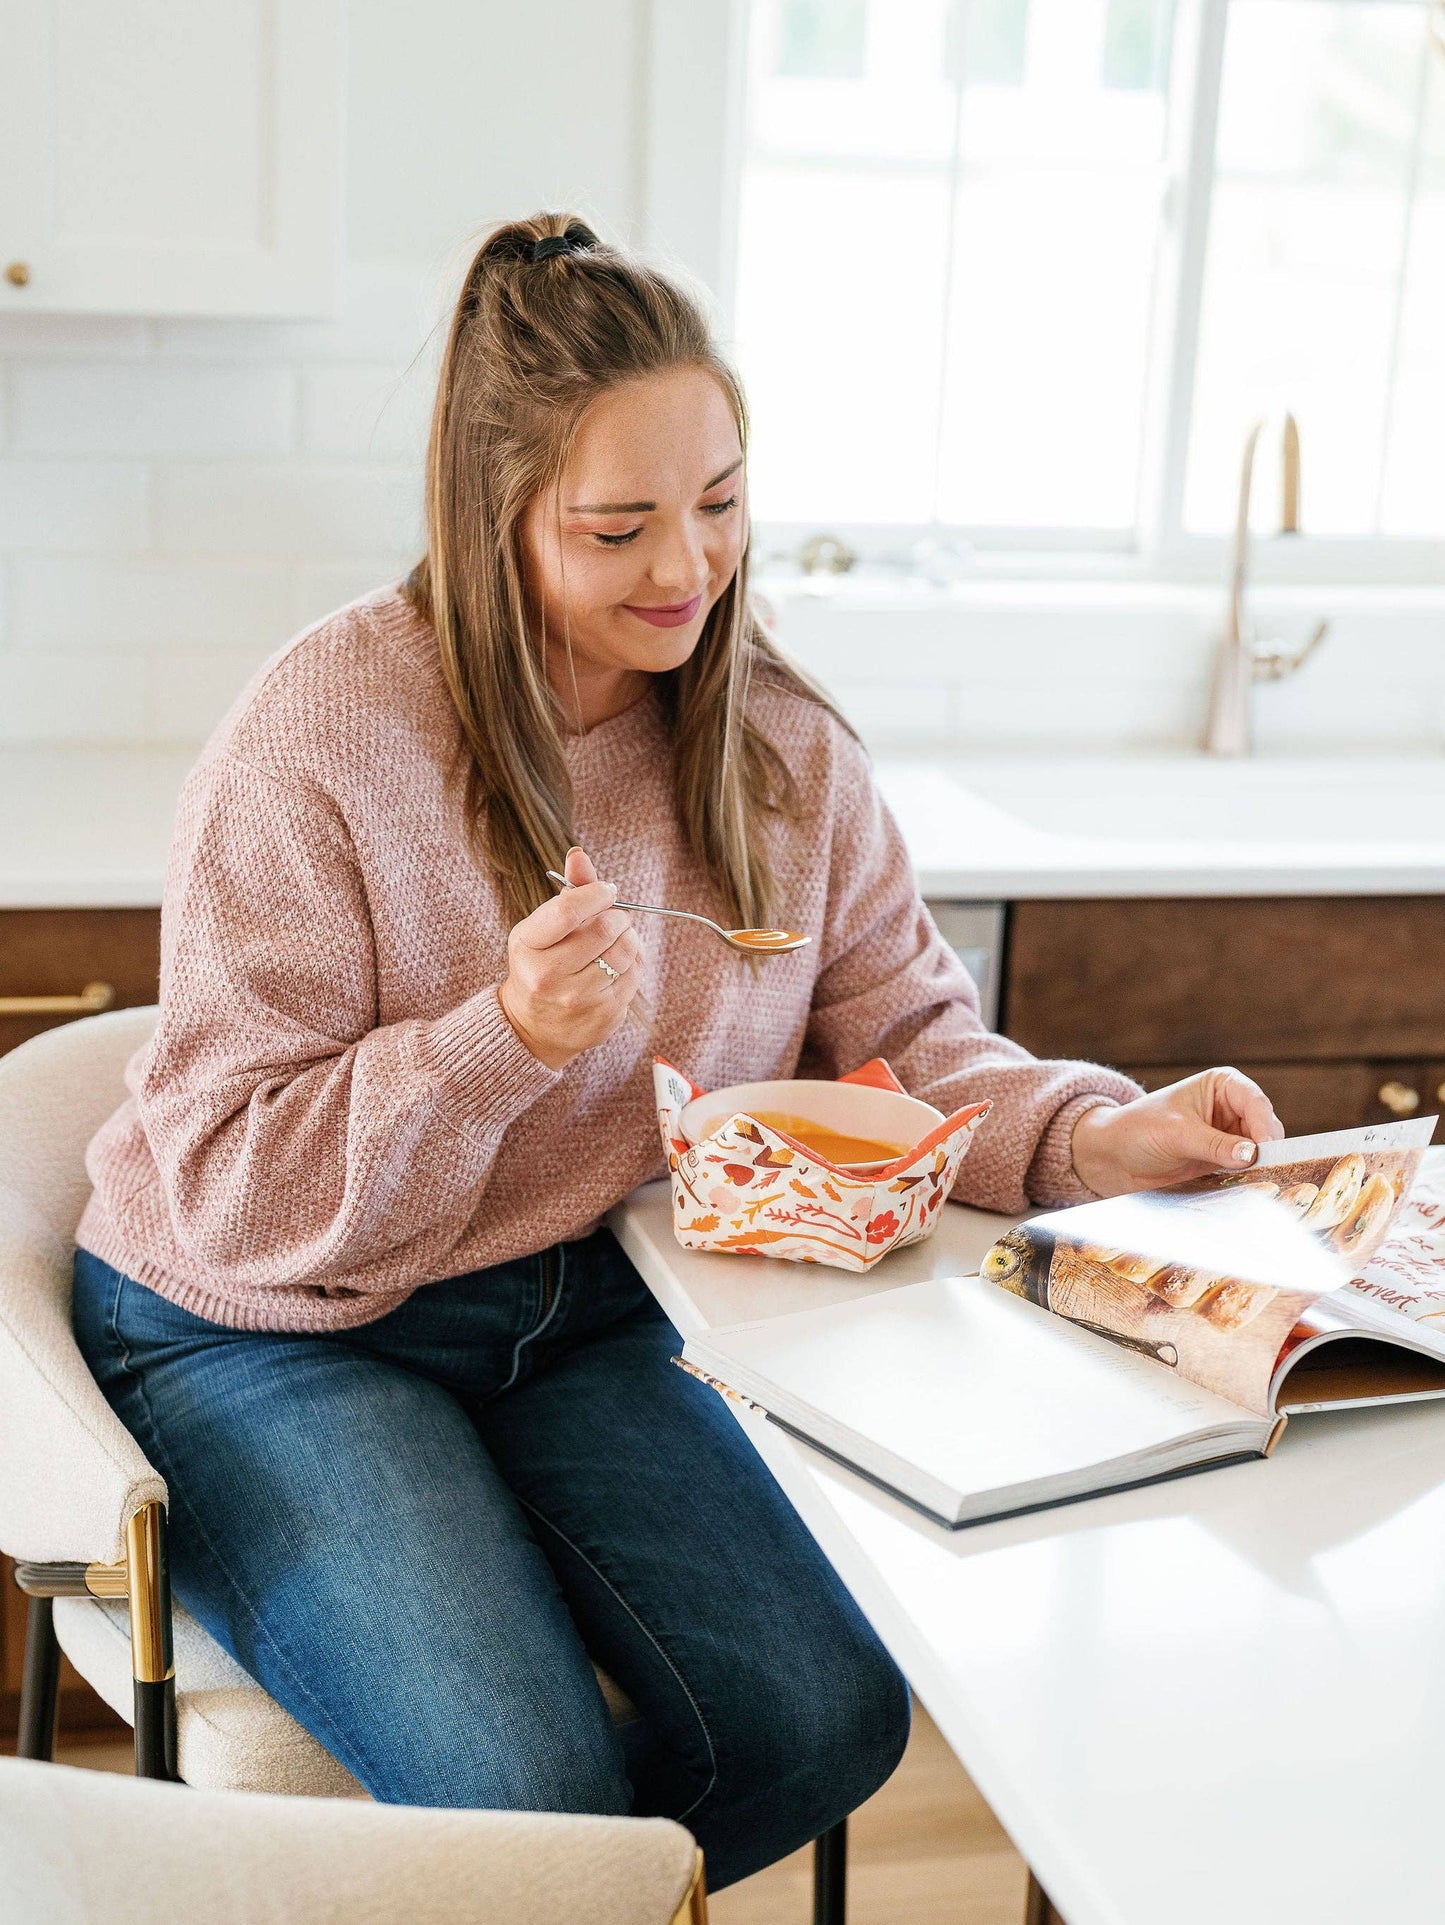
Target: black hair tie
[(551, 244)]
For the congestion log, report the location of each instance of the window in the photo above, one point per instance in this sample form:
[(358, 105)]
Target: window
[(1028, 269)]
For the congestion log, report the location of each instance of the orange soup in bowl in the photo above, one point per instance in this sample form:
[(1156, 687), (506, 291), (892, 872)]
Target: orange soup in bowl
[(853, 1126), (832, 1145)]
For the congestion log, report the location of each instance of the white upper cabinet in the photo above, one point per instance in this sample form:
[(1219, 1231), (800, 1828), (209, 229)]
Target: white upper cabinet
[(170, 156)]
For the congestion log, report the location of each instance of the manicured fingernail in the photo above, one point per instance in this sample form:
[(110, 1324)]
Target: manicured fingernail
[(1245, 1152), (611, 888)]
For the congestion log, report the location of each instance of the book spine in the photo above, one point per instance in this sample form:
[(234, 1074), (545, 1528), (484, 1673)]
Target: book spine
[(717, 1384)]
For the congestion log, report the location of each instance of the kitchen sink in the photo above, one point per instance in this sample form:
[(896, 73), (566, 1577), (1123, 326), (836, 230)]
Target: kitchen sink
[(1202, 799), (996, 828)]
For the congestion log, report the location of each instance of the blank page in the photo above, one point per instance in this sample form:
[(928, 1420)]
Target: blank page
[(954, 1389)]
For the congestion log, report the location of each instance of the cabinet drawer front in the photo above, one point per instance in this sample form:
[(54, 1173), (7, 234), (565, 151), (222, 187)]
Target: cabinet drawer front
[(1209, 980), (57, 952), (1329, 1096)]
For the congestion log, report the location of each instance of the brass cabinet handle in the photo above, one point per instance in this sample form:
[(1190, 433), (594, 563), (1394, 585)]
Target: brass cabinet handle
[(91, 1000), (1398, 1098), (17, 273)]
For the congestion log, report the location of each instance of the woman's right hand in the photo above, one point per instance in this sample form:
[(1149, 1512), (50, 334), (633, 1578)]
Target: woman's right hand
[(555, 997)]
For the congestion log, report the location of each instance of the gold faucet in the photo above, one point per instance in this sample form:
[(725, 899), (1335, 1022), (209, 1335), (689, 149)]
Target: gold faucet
[(1241, 658)]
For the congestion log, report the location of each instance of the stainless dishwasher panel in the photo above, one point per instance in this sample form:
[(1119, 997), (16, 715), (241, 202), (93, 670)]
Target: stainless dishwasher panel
[(974, 932)]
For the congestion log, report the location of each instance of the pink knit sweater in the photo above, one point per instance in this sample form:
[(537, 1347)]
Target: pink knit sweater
[(334, 1110)]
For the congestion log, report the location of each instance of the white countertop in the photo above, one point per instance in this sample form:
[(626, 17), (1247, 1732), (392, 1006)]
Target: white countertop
[(1213, 1699), (84, 827)]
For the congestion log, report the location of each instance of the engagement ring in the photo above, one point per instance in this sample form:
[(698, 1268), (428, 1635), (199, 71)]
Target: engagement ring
[(608, 971)]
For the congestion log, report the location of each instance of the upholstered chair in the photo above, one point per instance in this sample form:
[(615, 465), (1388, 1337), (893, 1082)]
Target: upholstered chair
[(82, 1511), (85, 1845)]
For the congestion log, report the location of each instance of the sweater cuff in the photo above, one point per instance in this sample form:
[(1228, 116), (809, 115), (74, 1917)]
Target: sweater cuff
[(485, 1073), (1052, 1179)]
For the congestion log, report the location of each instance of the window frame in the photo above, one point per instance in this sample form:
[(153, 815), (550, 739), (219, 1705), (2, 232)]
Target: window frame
[(691, 182)]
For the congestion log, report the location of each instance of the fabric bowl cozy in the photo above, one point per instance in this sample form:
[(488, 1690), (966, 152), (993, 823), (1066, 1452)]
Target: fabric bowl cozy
[(750, 1189)]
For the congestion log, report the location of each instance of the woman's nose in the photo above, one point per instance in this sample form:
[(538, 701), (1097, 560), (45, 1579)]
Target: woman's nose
[(680, 560)]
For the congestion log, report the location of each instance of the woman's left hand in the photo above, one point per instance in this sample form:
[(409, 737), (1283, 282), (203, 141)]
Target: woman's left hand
[(1209, 1122)]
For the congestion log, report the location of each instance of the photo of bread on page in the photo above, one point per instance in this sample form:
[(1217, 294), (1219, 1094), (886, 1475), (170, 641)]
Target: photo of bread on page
[(1222, 1279)]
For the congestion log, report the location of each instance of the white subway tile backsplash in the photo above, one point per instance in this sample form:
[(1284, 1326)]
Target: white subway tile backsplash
[(1365, 710), (80, 697), (72, 504), (370, 413), (321, 587), (964, 639), (142, 601), (292, 508), (187, 691), (91, 408), (1021, 717), (898, 714), (178, 498)]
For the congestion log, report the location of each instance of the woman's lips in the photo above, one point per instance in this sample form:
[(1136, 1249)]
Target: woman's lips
[(674, 616)]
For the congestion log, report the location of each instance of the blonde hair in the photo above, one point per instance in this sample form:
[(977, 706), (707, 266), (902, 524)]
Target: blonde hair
[(532, 343)]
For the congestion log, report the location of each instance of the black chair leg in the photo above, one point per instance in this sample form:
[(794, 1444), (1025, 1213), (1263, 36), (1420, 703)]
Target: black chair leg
[(155, 1729), (39, 1684), (1037, 1907), (830, 1876)]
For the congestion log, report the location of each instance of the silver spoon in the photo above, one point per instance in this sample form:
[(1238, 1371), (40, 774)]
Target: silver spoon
[(752, 942)]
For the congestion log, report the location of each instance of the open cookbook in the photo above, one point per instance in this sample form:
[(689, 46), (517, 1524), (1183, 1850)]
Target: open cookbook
[(1125, 1340)]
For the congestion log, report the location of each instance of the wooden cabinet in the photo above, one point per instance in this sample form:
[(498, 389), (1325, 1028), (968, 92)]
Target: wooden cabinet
[(57, 952), (60, 952), (166, 158), (1336, 1006)]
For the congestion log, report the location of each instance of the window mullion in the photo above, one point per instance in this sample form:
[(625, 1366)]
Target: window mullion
[(959, 77), (1194, 115), (1407, 235)]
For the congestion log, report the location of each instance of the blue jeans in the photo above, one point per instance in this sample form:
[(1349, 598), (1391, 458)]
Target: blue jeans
[(417, 1534)]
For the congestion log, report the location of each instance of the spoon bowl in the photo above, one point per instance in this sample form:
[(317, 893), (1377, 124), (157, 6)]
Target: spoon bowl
[(752, 942)]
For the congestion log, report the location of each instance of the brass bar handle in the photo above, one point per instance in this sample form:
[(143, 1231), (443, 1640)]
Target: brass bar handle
[(90, 1002), (1398, 1098)]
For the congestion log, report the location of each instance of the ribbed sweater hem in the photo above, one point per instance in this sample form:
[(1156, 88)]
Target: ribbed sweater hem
[(265, 1310)]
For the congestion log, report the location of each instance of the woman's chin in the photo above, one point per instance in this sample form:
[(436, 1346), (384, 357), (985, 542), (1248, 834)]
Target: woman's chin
[(664, 649)]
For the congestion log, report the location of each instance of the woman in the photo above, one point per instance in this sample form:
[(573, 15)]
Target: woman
[(342, 1274)]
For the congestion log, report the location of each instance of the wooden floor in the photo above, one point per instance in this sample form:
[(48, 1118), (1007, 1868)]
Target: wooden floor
[(925, 1851)]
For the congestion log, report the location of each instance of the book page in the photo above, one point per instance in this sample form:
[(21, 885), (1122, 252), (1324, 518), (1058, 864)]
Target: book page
[(964, 1400), (1404, 1281), (1211, 1279)]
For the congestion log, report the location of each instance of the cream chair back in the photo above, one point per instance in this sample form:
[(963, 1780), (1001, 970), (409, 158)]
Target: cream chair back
[(70, 1473)]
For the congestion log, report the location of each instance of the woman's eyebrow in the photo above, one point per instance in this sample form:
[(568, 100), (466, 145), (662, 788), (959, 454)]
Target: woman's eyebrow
[(642, 507)]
